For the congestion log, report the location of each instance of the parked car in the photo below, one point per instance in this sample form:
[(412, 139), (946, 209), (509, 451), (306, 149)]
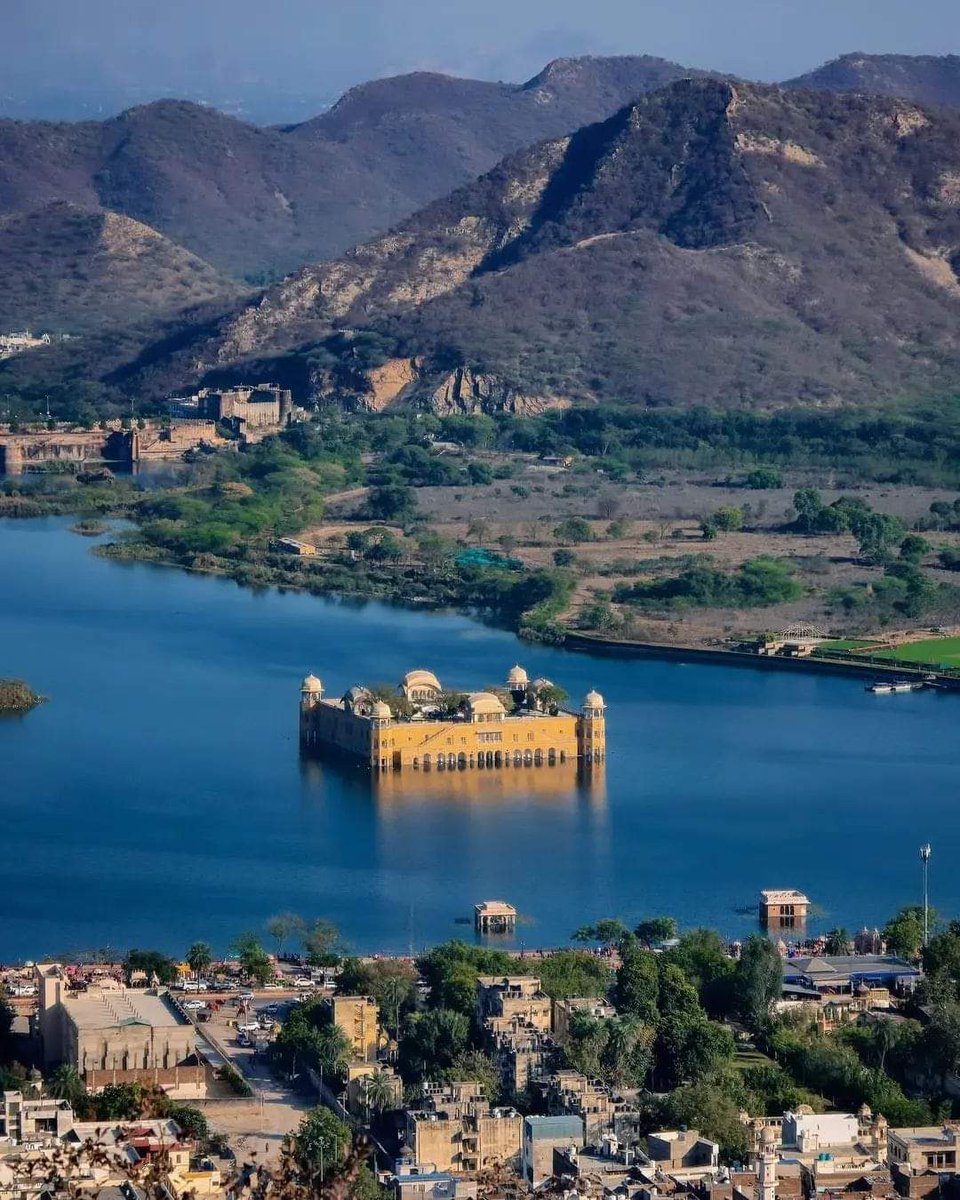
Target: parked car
[(303, 981), (249, 1027), (246, 994), (194, 1004), (23, 989), (196, 985)]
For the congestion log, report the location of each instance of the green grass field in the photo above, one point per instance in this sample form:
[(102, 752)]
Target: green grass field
[(935, 651)]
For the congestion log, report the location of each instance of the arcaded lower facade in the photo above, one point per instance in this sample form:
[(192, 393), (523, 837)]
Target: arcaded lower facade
[(521, 724)]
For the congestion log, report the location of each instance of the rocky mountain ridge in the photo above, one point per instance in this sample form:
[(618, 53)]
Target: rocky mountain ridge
[(712, 243)]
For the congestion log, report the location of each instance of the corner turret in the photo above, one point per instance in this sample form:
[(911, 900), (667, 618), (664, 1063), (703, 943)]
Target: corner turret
[(592, 728)]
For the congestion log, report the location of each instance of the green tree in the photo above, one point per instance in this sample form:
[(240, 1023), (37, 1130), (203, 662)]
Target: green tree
[(254, 961), (199, 957), (627, 1056), (118, 1102), (191, 1120), (573, 529), (392, 983), (573, 973), (320, 1144), (808, 505), (728, 518), (706, 1106), (283, 926), (67, 1084), (392, 502), (151, 962), (585, 1043), (608, 932), (758, 980), (451, 970), (654, 930), (431, 1042), (903, 933), (941, 956), (914, 548), (321, 940), (636, 990), (838, 941), (379, 1093), (876, 535), (763, 477), (703, 958)]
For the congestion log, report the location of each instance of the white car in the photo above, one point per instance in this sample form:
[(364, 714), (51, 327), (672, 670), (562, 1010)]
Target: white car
[(194, 1004), (304, 982), (249, 1027), (196, 985), (275, 986), (23, 989)]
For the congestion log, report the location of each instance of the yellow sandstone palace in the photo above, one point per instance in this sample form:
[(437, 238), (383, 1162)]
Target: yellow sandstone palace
[(427, 728)]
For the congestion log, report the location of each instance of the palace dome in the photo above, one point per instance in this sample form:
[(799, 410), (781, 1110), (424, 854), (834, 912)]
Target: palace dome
[(484, 704), (593, 700), (517, 677), (420, 679), (311, 684), (381, 710)]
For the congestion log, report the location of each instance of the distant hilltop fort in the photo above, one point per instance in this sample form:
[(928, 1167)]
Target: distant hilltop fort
[(423, 727)]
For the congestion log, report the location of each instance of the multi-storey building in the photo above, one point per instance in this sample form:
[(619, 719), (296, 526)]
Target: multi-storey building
[(456, 1130)]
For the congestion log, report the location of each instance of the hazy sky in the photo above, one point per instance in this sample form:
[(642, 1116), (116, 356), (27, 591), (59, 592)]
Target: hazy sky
[(323, 46)]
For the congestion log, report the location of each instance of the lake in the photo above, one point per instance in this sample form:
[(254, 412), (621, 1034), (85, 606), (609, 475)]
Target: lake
[(159, 797)]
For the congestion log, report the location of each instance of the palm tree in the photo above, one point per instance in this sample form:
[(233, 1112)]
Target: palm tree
[(66, 1084), (379, 1092), (332, 1049), (199, 956)]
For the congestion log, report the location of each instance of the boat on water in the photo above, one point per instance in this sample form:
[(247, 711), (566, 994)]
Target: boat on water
[(883, 687)]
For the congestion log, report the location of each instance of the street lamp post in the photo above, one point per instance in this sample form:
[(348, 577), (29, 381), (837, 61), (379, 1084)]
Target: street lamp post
[(925, 852)]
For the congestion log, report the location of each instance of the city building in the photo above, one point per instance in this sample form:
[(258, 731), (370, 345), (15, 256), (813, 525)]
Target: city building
[(783, 908), (24, 1120), (457, 1131), (246, 409), (924, 1148), (811, 1132), (541, 1137), (359, 1018), (835, 974), (118, 1035), (521, 1052), (566, 1093), (483, 730), (517, 997), (682, 1149)]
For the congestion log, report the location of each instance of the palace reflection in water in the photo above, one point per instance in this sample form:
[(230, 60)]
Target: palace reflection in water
[(563, 785)]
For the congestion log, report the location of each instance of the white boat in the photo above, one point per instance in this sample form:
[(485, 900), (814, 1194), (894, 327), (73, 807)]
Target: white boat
[(882, 688)]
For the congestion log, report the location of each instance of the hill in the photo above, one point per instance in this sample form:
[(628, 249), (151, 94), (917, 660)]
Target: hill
[(259, 202), (715, 244), (924, 78), (72, 270)]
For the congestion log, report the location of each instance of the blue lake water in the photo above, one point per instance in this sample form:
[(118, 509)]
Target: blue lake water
[(159, 796)]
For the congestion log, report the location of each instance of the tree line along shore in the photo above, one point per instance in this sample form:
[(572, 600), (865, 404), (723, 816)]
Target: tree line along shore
[(672, 528)]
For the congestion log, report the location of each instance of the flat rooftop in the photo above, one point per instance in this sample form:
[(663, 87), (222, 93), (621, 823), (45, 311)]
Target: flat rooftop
[(126, 1006)]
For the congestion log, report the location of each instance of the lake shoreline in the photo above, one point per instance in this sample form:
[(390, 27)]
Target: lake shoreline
[(572, 639)]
